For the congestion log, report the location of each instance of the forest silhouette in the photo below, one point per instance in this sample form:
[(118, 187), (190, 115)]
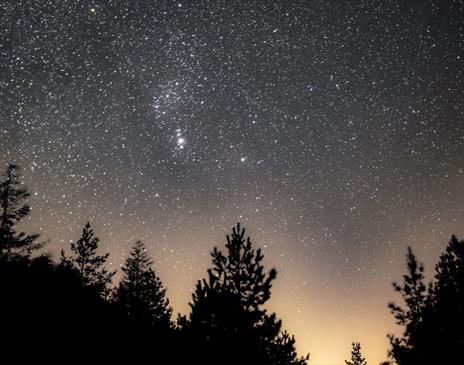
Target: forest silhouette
[(70, 312)]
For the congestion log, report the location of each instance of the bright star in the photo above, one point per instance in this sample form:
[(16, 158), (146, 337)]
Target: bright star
[(181, 142)]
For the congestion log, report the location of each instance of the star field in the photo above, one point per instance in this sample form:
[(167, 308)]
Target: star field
[(333, 130)]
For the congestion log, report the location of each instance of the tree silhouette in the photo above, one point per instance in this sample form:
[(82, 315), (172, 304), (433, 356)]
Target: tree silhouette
[(227, 310), (141, 292), (432, 319), (414, 295), (283, 351), (447, 302), (413, 291), (88, 263), (14, 207), (356, 356), (410, 347)]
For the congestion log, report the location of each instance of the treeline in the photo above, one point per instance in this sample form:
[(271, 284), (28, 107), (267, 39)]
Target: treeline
[(70, 311)]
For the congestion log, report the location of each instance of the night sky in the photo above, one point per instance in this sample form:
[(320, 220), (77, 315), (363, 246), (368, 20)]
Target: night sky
[(333, 130)]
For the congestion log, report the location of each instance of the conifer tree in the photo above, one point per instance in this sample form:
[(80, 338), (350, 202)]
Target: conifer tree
[(88, 263), (227, 309), (448, 288), (356, 356), (414, 295), (448, 303), (283, 351), (141, 292), (432, 317), (13, 208)]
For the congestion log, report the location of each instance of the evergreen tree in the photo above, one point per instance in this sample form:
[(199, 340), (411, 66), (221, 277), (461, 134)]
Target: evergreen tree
[(88, 263), (448, 288), (227, 310), (413, 291), (414, 295), (141, 292), (14, 207), (283, 351), (356, 356), (448, 303), (432, 319)]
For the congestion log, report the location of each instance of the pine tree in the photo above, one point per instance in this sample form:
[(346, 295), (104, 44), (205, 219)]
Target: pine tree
[(227, 309), (14, 207), (413, 291), (356, 356), (415, 297), (450, 275), (448, 303), (283, 351), (141, 292), (88, 263), (432, 319)]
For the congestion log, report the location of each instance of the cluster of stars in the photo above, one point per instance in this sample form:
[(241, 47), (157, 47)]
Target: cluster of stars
[(333, 131)]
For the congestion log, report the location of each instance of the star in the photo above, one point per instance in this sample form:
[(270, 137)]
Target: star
[(348, 130), (181, 142)]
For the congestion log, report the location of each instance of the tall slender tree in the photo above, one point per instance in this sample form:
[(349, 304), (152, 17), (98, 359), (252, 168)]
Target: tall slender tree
[(227, 310), (356, 356), (141, 292), (414, 294), (14, 207), (413, 291), (89, 263)]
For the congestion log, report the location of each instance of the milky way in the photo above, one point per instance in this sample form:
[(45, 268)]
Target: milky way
[(333, 130)]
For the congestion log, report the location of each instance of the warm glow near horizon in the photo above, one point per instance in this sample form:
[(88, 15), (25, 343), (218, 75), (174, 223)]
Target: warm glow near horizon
[(332, 130), (314, 304)]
